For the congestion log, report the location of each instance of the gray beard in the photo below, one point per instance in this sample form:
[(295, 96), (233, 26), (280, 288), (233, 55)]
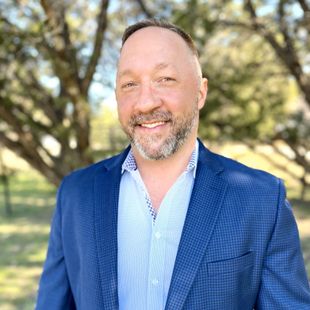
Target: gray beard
[(180, 131)]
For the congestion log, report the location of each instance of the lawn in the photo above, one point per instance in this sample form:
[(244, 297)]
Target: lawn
[(23, 238)]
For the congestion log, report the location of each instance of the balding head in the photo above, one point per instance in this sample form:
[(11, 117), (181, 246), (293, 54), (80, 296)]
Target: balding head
[(160, 44), (160, 24)]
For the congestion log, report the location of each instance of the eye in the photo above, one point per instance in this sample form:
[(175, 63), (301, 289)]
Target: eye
[(128, 85), (166, 79)]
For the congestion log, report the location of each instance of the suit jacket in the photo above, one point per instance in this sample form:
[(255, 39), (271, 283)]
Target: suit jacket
[(239, 247)]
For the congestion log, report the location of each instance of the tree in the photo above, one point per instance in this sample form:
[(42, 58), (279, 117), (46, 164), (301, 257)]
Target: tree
[(287, 32), (285, 26), (48, 57), (250, 54)]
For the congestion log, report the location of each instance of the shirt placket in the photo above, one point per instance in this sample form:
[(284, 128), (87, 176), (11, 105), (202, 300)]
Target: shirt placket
[(159, 275), (156, 277)]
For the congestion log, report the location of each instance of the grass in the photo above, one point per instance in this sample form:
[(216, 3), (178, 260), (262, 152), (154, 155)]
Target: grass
[(23, 237)]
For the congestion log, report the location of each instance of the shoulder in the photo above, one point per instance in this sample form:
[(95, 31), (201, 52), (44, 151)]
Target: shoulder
[(85, 176), (239, 175), (252, 192)]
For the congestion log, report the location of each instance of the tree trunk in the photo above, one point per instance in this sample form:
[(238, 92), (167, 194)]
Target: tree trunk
[(7, 197), (6, 187), (304, 186)]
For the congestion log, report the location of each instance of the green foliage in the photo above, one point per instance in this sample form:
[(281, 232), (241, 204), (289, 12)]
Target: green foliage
[(247, 92)]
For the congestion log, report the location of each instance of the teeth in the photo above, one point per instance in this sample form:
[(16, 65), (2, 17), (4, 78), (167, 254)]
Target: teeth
[(152, 125)]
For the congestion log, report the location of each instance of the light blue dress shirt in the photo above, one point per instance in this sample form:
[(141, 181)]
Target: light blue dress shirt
[(148, 242)]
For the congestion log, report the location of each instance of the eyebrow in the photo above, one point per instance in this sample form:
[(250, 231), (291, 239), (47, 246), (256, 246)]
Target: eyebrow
[(162, 65), (158, 67)]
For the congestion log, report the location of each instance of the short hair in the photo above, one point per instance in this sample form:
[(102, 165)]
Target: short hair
[(160, 23)]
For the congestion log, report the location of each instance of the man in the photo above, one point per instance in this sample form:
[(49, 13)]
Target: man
[(167, 224)]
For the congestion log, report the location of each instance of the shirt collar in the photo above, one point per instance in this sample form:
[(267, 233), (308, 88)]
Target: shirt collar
[(130, 164)]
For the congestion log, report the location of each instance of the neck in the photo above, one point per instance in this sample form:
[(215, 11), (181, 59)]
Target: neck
[(159, 175), (170, 167)]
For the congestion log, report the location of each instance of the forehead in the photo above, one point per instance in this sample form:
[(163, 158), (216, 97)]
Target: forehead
[(154, 44)]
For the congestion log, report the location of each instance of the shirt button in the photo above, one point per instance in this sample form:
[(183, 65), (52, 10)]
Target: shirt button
[(155, 282), (157, 235)]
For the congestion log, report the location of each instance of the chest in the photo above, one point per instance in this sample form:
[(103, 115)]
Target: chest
[(157, 192), (146, 248)]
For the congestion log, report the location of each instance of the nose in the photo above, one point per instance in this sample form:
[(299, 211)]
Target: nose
[(147, 99)]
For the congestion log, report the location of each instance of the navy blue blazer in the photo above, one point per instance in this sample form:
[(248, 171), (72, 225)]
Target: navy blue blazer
[(239, 248)]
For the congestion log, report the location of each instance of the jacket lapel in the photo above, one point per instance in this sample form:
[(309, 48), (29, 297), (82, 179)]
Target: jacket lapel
[(106, 192), (204, 208)]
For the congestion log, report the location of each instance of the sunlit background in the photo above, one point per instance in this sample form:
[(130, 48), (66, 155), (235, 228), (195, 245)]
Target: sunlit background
[(58, 112)]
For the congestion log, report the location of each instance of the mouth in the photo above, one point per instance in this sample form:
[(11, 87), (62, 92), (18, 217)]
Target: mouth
[(152, 125), (155, 121)]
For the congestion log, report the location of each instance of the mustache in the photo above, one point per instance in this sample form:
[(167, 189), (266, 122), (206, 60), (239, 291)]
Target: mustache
[(159, 116)]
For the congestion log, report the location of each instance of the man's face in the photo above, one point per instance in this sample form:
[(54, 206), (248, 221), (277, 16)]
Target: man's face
[(159, 92)]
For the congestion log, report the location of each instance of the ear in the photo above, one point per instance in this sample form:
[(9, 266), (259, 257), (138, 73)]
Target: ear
[(203, 91)]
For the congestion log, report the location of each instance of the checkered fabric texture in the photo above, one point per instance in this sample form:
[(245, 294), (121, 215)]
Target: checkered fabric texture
[(131, 165)]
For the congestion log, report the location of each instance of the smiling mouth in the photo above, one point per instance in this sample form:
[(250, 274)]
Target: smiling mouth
[(155, 119), (152, 125)]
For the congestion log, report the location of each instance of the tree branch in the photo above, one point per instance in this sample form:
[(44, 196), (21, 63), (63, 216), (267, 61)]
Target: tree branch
[(62, 51), (29, 139), (250, 8), (231, 23), (33, 158), (99, 37), (8, 117), (144, 9), (70, 81), (43, 100), (289, 49), (274, 162), (6, 113), (299, 158), (286, 53), (304, 5)]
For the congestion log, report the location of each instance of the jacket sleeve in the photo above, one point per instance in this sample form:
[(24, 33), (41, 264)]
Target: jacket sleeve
[(284, 283), (54, 287)]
